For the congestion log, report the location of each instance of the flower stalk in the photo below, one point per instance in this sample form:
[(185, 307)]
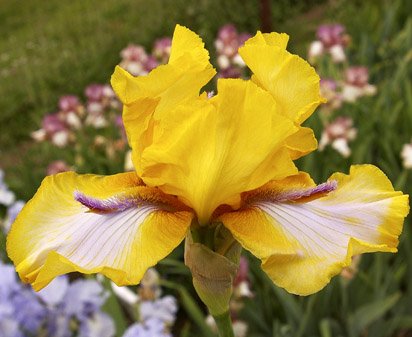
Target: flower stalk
[(224, 325)]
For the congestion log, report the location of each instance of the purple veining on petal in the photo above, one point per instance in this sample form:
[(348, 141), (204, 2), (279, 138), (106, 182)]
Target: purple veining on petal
[(327, 187), (109, 205)]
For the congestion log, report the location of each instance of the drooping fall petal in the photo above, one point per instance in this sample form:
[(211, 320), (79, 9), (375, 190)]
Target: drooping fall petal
[(113, 225), (306, 234)]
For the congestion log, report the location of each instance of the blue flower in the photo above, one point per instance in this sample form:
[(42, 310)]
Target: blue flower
[(153, 327)]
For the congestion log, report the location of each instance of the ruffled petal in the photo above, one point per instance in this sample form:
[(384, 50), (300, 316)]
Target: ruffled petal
[(301, 143), (306, 234), (149, 98), (272, 39), (291, 80), (113, 225), (231, 143)]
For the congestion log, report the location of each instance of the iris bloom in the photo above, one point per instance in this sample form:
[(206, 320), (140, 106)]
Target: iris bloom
[(205, 161)]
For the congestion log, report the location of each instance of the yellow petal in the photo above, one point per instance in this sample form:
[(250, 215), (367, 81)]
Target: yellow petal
[(219, 148), (304, 242), (301, 143), (292, 81), (94, 224), (272, 39), (151, 97)]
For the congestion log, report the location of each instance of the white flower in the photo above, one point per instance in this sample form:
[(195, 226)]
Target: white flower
[(39, 135), (240, 329), (125, 294), (223, 62), (73, 120), (316, 49), (60, 138), (128, 163), (237, 59), (341, 145), (406, 155), (338, 53)]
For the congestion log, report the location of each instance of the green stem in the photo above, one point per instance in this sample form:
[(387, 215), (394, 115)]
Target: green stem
[(224, 325)]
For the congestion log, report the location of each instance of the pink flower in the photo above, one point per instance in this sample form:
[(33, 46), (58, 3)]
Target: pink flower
[(161, 49), (94, 92), (356, 84), (331, 39), (338, 133), (52, 123), (68, 103), (329, 90), (134, 53), (331, 35), (57, 166), (227, 44), (357, 76)]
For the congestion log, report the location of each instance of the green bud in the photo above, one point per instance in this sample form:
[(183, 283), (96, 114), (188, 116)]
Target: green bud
[(213, 273)]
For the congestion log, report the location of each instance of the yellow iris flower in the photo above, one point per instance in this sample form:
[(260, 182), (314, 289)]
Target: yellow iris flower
[(204, 161)]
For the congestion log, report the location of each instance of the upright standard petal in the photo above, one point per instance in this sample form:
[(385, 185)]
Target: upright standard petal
[(231, 143), (149, 98), (306, 234), (114, 225), (291, 80)]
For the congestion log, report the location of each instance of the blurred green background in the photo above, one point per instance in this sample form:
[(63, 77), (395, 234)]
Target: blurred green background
[(51, 48)]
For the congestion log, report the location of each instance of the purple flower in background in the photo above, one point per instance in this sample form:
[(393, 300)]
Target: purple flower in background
[(94, 92), (28, 310), (331, 39), (53, 128), (331, 35), (9, 328), (163, 309), (242, 38), (231, 72), (338, 133), (151, 64), (24, 313), (57, 166), (55, 292), (356, 84), (329, 90), (150, 328), (12, 213), (52, 123), (161, 49), (134, 59), (230, 63), (358, 76), (83, 298), (69, 103), (134, 53), (7, 197), (98, 325), (8, 281)]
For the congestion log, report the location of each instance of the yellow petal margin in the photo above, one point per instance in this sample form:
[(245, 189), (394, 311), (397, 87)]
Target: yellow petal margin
[(303, 243), (56, 234), (149, 98)]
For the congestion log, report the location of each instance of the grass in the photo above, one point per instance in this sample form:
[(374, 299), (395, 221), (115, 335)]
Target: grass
[(58, 47)]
